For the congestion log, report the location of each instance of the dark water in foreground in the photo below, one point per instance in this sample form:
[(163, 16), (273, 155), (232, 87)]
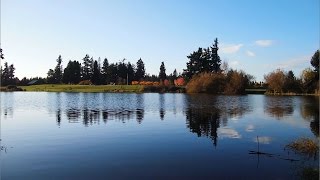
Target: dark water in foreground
[(153, 136)]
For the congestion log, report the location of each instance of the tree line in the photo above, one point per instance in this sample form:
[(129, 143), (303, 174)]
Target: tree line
[(204, 73), (92, 71), (280, 81)]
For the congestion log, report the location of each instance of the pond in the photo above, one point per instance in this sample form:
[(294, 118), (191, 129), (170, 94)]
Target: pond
[(153, 136)]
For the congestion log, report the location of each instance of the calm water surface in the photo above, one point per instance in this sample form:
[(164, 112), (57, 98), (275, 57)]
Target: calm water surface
[(153, 136)]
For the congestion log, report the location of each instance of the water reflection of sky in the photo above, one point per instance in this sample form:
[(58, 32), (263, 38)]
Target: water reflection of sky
[(263, 140), (228, 133)]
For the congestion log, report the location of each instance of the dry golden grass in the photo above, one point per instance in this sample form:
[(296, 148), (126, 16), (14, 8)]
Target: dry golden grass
[(304, 146)]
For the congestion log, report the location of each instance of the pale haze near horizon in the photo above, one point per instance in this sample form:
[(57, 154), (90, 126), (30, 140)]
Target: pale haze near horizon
[(255, 36)]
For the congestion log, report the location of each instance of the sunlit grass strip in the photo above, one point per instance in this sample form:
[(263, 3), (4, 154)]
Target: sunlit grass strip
[(304, 146), (83, 88)]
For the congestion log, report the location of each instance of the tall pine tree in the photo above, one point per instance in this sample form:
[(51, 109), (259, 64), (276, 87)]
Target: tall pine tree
[(130, 71), (86, 68), (7, 75), (58, 71), (96, 74), (140, 71), (113, 71), (50, 77), (162, 73), (122, 72), (72, 72), (215, 58), (174, 74), (194, 64), (105, 72)]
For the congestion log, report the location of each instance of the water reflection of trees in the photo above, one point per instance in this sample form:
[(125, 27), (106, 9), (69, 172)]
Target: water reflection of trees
[(310, 111), (162, 103), (7, 104), (92, 116), (58, 108), (204, 122), (206, 113), (93, 108), (140, 107), (278, 107)]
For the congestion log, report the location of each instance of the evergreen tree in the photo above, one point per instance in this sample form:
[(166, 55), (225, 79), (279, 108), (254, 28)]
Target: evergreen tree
[(87, 68), (140, 72), (99, 64), (7, 75), (315, 61), (315, 84), (106, 72), (162, 73), (1, 75), (50, 76), (122, 72), (72, 73), (12, 79), (113, 71), (24, 81), (215, 58), (153, 77), (58, 71), (131, 72), (96, 74), (203, 60), (194, 64), (174, 74), (1, 54)]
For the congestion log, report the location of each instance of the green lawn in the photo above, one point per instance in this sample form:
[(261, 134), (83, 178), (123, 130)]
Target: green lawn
[(83, 88)]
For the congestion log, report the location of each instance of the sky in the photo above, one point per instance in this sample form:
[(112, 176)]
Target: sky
[(255, 36)]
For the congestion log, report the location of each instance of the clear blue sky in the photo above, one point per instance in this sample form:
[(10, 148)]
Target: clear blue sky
[(256, 36)]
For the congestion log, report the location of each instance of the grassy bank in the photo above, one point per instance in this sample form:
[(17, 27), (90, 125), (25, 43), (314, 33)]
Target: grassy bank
[(10, 88), (83, 88), (101, 88)]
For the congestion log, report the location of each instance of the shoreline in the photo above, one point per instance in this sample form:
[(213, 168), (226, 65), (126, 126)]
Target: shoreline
[(126, 89)]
